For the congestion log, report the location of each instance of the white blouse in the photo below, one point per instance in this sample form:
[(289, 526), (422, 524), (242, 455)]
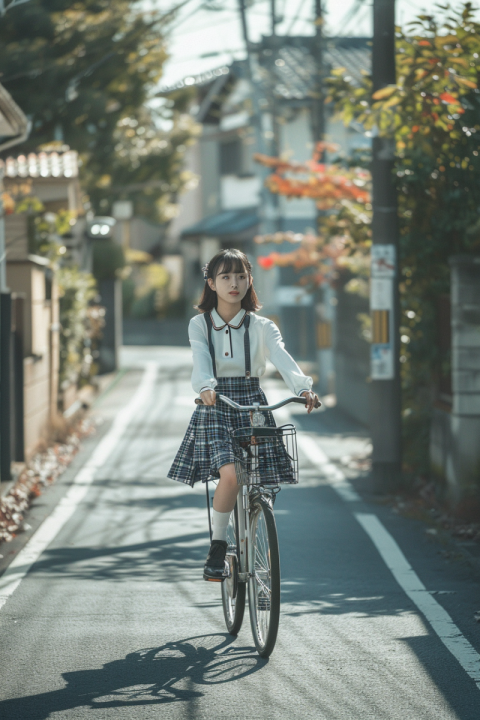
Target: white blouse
[(228, 342)]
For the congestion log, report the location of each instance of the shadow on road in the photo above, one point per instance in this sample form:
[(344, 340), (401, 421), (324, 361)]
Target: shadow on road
[(171, 673)]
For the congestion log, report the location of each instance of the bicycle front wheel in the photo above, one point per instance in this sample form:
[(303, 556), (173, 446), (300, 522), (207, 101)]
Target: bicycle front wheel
[(233, 592), (264, 581)]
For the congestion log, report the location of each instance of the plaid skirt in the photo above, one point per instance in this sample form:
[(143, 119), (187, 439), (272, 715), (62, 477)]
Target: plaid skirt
[(207, 444)]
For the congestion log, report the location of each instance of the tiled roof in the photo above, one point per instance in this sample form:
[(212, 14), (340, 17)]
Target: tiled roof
[(293, 65), (198, 80), (225, 223), (42, 165)]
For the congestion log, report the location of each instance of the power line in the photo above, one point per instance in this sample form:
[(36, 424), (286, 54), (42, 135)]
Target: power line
[(350, 15), (296, 17)]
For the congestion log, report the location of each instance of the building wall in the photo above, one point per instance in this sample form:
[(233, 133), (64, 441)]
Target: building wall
[(297, 143), (16, 236), (190, 201), (40, 344), (209, 157), (239, 192), (36, 401), (454, 447)]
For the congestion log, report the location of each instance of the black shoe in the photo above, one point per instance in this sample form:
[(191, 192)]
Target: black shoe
[(214, 569)]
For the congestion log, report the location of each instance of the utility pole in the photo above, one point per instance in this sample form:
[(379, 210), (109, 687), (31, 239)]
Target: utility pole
[(384, 298), (318, 111), (273, 13), (268, 211)]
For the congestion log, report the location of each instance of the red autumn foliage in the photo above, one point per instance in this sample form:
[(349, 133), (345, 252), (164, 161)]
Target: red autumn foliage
[(326, 184), (446, 97)]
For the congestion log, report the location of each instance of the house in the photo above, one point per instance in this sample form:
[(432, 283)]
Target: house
[(228, 208), (52, 177)]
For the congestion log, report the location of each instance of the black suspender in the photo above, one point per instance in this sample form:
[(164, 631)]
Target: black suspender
[(208, 320), (246, 344)]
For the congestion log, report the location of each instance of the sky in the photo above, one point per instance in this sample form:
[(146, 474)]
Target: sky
[(203, 39)]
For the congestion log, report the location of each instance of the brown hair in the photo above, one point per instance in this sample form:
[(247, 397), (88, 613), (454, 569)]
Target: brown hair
[(227, 261)]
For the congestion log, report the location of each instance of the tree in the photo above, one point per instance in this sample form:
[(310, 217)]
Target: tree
[(84, 73), (344, 235), (434, 113)]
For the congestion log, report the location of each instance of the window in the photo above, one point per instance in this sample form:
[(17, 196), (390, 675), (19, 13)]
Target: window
[(231, 157)]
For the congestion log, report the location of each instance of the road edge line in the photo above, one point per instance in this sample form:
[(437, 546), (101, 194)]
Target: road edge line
[(438, 618), (51, 526)]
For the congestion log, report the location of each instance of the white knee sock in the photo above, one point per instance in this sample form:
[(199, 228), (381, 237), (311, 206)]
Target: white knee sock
[(220, 522)]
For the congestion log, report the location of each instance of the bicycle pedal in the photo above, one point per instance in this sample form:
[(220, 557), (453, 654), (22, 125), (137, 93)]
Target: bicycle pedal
[(208, 579)]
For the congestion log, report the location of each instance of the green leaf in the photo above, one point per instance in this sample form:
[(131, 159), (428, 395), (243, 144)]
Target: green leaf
[(384, 92)]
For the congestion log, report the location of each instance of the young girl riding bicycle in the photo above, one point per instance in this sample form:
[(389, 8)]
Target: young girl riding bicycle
[(230, 345)]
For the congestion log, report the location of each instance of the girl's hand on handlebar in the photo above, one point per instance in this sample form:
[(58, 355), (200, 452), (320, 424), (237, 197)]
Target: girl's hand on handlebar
[(312, 400), (209, 397)]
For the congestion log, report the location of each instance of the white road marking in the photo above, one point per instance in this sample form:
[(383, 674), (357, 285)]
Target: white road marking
[(334, 475), (440, 621), (411, 584), (52, 525)]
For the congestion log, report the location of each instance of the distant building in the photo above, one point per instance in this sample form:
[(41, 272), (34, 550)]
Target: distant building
[(225, 209), (51, 177)]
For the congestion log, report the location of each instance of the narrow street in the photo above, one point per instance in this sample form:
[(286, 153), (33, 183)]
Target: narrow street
[(113, 620)]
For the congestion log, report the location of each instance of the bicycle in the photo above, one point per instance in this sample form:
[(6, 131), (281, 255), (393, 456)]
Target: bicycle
[(253, 556)]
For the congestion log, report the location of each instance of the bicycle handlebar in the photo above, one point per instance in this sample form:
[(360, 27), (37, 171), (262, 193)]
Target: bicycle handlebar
[(236, 406)]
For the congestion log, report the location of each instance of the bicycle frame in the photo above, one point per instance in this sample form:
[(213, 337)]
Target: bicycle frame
[(255, 565)]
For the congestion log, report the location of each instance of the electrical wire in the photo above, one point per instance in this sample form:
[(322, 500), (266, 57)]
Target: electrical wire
[(296, 17), (350, 15), (202, 6)]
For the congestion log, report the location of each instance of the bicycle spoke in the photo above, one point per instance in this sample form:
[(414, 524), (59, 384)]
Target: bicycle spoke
[(264, 585)]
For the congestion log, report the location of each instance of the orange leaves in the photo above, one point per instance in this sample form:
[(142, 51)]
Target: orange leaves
[(312, 252), (327, 188), (267, 262), (8, 203), (446, 97), (326, 184), (384, 92), (467, 83)]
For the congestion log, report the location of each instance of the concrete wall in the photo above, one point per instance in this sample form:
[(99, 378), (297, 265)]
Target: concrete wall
[(352, 357), (41, 346), (36, 401), (463, 461), (16, 236)]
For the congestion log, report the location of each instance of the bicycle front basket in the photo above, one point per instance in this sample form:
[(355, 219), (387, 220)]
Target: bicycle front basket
[(265, 455)]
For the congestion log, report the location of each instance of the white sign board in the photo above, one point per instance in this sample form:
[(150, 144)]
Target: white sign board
[(122, 210), (292, 296), (382, 367), (383, 260), (381, 293)]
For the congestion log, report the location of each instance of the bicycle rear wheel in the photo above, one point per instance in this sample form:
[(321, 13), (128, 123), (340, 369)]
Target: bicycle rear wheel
[(264, 583), (233, 592)]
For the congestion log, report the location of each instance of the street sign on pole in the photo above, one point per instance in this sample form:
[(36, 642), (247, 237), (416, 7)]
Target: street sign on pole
[(383, 272)]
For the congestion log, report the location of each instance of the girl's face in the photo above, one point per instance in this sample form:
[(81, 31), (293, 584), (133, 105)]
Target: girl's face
[(231, 287)]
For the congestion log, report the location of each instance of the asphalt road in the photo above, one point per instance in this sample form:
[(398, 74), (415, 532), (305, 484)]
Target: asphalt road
[(113, 620)]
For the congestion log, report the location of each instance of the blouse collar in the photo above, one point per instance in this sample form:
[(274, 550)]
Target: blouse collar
[(234, 324)]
